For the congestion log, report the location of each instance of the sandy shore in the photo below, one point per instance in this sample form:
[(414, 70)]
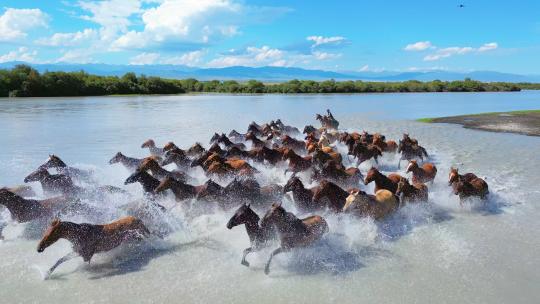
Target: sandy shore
[(520, 122)]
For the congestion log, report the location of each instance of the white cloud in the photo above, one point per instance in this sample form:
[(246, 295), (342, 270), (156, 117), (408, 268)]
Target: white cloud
[(112, 15), (447, 52), (198, 21), (69, 39), (488, 47), (189, 59), (15, 22), (77, 56), (320, 40), (267, 56), (418, 46), (22, 54), (144, 58), (365, 68)]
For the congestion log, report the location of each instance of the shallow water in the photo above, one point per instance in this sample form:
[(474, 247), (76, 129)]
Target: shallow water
[(434, 253)]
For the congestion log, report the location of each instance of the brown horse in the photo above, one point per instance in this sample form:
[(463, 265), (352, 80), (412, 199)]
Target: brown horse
[(151, 145), (417, 192), (195, 150), (381, 181), (21, 190), (334, 172), (454, 176), (293, 232), (259, 235), (54, 162), (363, 152), (297, 163), (180, 159), (378, 206), (183, 191), (389, 146), (160, 173), (255, 141), (130, 163), (299, 146), (423, 174), (475, 188), (322, 156), (52, 183), (25, 210), (236, 136), (410, 150), (325, 195), (88, 239), (147, 181)]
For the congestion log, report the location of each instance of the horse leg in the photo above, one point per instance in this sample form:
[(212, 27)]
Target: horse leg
[(267, 267), (246, 252), (63, 259)]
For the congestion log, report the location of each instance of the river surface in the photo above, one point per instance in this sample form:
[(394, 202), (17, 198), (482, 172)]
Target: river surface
[(432, 253)]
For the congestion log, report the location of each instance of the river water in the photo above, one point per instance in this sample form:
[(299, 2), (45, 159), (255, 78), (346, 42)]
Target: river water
[(439, 252)]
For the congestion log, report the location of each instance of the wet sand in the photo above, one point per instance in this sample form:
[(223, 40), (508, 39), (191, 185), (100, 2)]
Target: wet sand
[(520, 122)]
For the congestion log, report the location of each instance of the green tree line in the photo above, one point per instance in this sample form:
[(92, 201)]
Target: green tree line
[(24, 81)]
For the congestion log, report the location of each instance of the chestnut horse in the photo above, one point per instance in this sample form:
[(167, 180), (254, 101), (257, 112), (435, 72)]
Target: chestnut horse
[(474, 188), (158, 172), (454, 176), (417, 192), (325, 195), (381, 181), (389, 146), (259, 235), (298, 146), (423, 174), (377, 206), (293, 232), (88, 239)]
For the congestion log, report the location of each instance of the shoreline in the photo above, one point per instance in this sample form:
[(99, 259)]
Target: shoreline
[(518, 122)]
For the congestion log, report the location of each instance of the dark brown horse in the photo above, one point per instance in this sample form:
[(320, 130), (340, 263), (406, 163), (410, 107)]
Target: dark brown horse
[(88, 239), (151, 145), (389, 146), (255, 141), (410, 150), (25, 210), (196, 150), (182, 191), (147, 181), (417, 192), (336, 173), (160, 173), (325, 195), (423, 174), (293, 232), (297, 163), (259, 235), (299, 146), (52, 184), (178, 158), (381, 181), (363, 152), (236, 136)]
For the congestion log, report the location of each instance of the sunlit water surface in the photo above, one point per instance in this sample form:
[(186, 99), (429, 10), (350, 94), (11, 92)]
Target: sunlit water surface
[(436, 253)]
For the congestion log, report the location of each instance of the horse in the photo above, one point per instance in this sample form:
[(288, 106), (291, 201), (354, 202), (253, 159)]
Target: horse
[(474, 188), (381, 181), (183, 191), (147, 181), (259, 235), (335, 172), (243, 190), (170, 146), (320, 157), (410, 150), (130, 163), (309, 129), (236, 136), (377, 206), (389, 146), (255, 142), (54, 162), (89, 239), (325, 195), (151, 145), (158, 172), (417, 192), (298, 146), (363, 152), (179, 159), (454, 176), (293, 232), (289, 130), (52, 183), (223, 139), (297, 163), (195, 150), (25, 210), (328, 121), (21, 190), (423, 174)]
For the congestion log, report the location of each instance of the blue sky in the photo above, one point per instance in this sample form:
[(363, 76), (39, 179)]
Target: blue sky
[(391, 35)]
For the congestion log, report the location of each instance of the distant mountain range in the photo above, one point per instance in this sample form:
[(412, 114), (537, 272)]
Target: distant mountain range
[(273, 74)]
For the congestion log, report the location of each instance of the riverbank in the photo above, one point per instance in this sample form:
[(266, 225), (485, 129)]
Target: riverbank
[(520, 122)]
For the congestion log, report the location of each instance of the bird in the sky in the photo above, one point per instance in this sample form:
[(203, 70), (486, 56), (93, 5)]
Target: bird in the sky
[(461, 5)]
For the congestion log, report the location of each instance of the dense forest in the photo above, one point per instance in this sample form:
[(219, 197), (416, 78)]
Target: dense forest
[(24, 81)]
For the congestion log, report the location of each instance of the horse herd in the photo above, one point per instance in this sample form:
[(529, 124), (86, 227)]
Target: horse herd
[(274, 145)]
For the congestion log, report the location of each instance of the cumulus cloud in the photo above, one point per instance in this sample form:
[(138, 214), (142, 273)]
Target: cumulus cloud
[(15, 23), (188, 59), (144, 58), (83, 55), (324, 41), (447, 52), (488, 47), (69, 39), (418, 46), (21, 54), (112, 15)]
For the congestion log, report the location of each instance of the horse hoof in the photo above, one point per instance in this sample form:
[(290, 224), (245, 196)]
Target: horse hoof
[(245, 263)]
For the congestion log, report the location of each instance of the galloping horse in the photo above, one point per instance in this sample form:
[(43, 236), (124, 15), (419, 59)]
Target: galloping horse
[(259, 235), (151, 145), (423, 174), (381, 181), (377, 206), (293, 232), (52, 183), (325, 195), (417, 192), (454, 176), (88, 239), (55, 162)]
